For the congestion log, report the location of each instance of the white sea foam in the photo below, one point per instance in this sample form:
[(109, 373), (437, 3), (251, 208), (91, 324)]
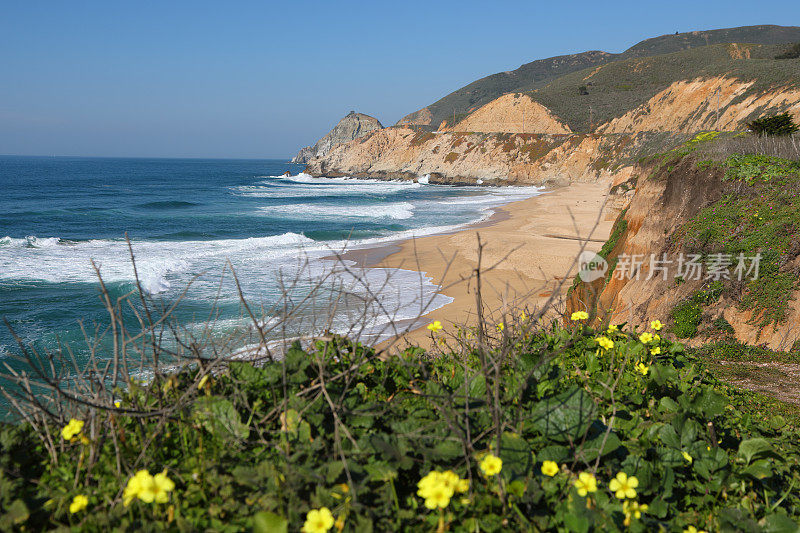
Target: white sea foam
[(301, 211)]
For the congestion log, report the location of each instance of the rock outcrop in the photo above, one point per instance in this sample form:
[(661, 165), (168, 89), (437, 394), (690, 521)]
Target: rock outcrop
[(351, 127), (715, 103), (498, 158)]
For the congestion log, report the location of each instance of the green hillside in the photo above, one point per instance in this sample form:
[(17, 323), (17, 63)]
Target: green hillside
[(623, 85), (539, 73)]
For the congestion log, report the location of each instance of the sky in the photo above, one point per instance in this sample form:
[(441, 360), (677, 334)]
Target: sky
[(261, 79)]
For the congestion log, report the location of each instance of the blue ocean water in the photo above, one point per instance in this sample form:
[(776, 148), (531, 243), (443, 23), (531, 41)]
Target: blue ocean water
[(187, 219)]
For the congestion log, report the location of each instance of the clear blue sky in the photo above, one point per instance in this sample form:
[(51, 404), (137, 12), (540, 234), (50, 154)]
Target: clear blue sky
[(261, 79)]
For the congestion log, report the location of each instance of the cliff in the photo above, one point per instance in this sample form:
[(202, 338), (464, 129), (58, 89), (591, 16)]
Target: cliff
[(703, 201), (351, 127), (497, 158)]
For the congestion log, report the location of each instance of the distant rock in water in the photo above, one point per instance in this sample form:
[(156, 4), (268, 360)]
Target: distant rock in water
[(353, 126)]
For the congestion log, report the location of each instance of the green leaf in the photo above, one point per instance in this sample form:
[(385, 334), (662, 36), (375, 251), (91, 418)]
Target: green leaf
[(779, 523), (592, 448), (752, 448), (663, 375), (266, 522), (220, 418), (380, 472), (710, 403), (565, 417), (516, 455)]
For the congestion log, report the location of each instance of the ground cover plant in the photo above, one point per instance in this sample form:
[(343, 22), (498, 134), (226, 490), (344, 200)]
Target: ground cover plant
[(517, 426)]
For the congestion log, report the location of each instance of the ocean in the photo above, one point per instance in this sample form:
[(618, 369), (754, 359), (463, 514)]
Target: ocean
[(195, 220)]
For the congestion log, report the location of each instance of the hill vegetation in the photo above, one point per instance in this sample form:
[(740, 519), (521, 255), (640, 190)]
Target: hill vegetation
[(539, 73)]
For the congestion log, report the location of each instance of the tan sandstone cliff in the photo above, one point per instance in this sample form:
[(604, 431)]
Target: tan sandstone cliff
[(548, 152)]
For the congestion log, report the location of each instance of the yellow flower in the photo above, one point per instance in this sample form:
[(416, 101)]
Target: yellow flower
[(656, 325), (692, 529), (549, 468), (463, 485), (656, 337), (339, 524), (318, 521), (623, 486), (134, 487), (585, 483), (117, 404), (613, 328), (202, 382), (435, 326), (634, 509), (491, 465), (438, 497), (642, 368), (78, 504), (605, 343), (162, 486), (655, 351), (522, 317), (687, 457), (501, 326), (72, 429), (646, 337), (579, 315)]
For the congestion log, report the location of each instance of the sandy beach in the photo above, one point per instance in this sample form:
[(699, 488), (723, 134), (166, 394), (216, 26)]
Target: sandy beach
[(529, 249)]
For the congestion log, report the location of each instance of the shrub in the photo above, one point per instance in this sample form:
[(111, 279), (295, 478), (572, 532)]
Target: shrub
[(791, 53), (782, 124), (566, 422)]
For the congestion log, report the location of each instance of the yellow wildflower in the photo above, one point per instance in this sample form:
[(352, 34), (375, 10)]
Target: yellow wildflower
[(579, 315), (549, 468), (605, 343), (117, 404), (623, 486), (656, 325), (692, 529), (339, 524), (656, 337), (318, 521), (522, 317), (463, 485), (646, 337), (585, 483), (501, 326), (78, 504), (72, 429), (613, 328), (687, 457), (633, 509), (491, 465), (655, 351), (135, 485), (438, 497), (435, 326), (642, 368)]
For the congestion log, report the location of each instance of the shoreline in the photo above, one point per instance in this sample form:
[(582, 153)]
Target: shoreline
[(531, 245)]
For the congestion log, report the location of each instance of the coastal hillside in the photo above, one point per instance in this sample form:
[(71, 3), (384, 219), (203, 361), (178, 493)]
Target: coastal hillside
[(725, 199), (620, 104), (543, 71), (352, 126)]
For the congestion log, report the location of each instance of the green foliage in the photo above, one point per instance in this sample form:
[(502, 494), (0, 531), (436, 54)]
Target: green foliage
[(781, 124), (258, 451), (792, 53), (687, 315), (761, 219)]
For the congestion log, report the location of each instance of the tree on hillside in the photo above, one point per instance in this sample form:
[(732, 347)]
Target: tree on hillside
[(782, 124)]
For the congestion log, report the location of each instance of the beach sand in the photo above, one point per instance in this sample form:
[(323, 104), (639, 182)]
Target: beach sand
[(531, 246)]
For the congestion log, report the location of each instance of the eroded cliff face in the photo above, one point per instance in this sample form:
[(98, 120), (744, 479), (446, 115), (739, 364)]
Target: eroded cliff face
[(692, 105), (452, 157), (651, 225), (511, 113), (548, 152), (353, 126)]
